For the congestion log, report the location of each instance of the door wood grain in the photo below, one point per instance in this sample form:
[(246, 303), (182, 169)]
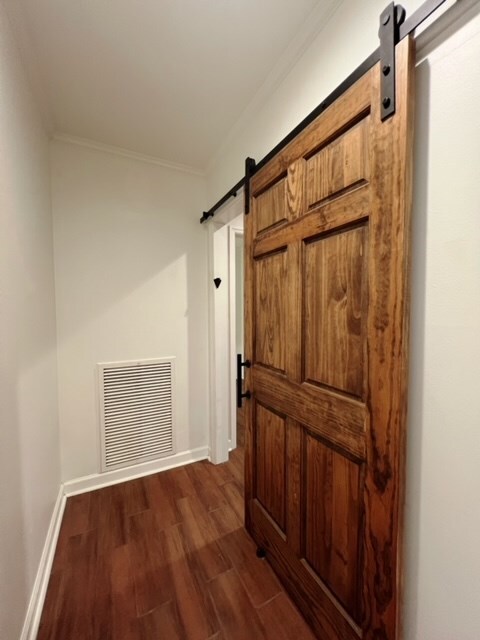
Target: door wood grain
[(326, 330)]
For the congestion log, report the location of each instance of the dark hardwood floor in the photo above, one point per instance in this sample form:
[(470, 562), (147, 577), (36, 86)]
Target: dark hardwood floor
[(165, 557)]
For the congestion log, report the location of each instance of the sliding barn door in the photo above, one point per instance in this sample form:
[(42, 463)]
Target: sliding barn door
[(327, 302)]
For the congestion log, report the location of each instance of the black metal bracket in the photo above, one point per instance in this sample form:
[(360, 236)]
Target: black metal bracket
[(247, 393), (206, 215), (390, 20), (217, 282), (249, 171)]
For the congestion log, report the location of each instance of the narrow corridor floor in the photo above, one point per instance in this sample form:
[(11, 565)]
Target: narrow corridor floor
[(165, 557)]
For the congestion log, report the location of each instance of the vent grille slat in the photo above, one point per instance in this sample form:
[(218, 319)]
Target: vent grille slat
[(138, 451), (149, 378), (130, 447), (135, 374), (131, 405), (152, 443), (132, 457), (116, 386), (136, 436), (120, 426), (128, 460), (134, 395), (133, 417), (134, 366), (137, 417)]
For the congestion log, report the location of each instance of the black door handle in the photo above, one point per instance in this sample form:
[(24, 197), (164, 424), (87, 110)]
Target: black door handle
[(247, 393)]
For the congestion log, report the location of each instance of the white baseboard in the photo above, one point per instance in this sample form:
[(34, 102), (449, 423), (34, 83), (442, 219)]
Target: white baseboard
[(35, 606), (99, 480), (81, 485)]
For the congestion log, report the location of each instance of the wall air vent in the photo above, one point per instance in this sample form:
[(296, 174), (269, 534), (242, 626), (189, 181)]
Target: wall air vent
[(136, 411)]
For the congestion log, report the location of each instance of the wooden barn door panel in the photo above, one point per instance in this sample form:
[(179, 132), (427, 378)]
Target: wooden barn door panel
[(327, 246)]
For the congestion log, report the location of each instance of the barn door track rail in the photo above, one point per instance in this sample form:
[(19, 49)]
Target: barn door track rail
[(394, 26)]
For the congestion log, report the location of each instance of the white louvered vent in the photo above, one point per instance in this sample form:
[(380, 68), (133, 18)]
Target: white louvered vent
[(136, 411)]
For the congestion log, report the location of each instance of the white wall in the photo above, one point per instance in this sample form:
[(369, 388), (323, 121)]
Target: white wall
[(442, 565), (443, 509), (131, 283), (29, 453)]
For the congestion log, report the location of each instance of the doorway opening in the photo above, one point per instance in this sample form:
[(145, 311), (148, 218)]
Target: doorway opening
[(226, 303), (238, 419)]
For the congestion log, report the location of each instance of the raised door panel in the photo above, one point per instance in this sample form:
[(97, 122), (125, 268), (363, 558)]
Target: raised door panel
[(270, 462), (341, 164), (335, 297), (271, 206), (271, 310), (333, 520)]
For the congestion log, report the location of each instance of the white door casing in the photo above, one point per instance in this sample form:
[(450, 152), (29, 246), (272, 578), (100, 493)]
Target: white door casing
[(222, 231)]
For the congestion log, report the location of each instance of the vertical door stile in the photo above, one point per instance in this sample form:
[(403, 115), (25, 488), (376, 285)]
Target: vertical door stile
[(389, 270), (294, 466), (249, 349)]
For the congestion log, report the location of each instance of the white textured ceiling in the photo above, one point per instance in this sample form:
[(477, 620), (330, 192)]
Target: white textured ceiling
[(166, 78)]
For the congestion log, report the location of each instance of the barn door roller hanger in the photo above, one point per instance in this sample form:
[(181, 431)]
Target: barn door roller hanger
[(389, 33)]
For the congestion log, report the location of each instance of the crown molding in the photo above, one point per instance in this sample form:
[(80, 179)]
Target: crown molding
[(126, 153)]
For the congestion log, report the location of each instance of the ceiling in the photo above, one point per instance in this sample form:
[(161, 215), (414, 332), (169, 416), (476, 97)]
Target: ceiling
[(165, 78)]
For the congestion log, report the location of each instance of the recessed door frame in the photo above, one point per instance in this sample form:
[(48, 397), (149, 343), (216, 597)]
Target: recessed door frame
[(235, 231), (222, 231)]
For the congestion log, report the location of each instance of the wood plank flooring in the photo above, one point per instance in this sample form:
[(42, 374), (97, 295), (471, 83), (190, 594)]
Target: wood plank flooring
[(165, 557)]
